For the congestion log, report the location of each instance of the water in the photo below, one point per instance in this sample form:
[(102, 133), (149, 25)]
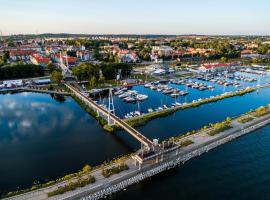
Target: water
[(43, 139), (157, 99), (238, 170)]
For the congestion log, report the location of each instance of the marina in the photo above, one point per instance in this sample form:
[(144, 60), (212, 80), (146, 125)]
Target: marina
[(158, 95)]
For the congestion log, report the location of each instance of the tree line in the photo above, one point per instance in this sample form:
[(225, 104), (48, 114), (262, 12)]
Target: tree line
[(12, 71), (108, 71)]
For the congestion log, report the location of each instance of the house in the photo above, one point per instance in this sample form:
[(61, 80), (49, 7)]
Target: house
[(127, 56), (32, 47), (83, 55), (38, 59), (20, 55), (66, 60), (162, 50), (249, 54)]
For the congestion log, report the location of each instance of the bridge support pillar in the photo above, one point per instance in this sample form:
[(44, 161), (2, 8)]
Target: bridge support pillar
[(162, 155), (157, 159)]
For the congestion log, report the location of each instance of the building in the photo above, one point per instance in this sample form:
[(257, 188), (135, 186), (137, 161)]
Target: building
[(215, 67), (38, 59), (162, 50), (127, 56), (83, 55), (20, 55), (66, 60)]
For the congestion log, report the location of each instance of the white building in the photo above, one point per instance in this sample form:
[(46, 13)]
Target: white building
[(162, 50)]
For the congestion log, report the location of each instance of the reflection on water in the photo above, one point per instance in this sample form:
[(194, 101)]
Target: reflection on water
[(43, 139)]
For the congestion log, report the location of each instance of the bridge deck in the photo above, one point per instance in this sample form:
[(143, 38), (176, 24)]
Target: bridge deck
[(133, 132)]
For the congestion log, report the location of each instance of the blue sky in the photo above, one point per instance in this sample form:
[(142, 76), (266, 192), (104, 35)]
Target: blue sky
[(136, 16)]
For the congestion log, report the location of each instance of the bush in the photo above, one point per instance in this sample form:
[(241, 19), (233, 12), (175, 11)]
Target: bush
[(107, 172), (245, 120), (72, 186), (220, 127), (186, 143)]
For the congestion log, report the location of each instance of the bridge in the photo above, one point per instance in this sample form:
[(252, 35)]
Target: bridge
[(111, 118)]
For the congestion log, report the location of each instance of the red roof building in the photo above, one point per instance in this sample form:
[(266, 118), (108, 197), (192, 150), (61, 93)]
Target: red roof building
[(38, 59)]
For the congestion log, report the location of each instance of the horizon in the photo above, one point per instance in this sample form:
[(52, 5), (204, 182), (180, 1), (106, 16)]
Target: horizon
[(135, 18)]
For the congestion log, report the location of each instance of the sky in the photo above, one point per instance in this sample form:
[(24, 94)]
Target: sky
[(225, 17)]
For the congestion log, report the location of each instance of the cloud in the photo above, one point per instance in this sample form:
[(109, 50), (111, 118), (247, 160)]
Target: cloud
[(11, 105), (26, 124), (11, 124)]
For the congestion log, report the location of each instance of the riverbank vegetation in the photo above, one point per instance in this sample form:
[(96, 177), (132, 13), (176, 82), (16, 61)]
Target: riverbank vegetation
[(186, 143), (107, 172), (81, 182), (85, 171), (142, 120), (19, 70), (220, 127), (261, 111), (91, 112), (245, 119)]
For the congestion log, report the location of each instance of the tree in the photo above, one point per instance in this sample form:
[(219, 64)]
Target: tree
[(56, 76), (93, 82), (85, 71), (224, 59), (50, 67), (20, 70), (86, 169)]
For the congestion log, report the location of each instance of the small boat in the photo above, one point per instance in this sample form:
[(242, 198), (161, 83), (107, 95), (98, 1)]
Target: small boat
[(150, 110), (182, 93), (119, 92), (148, 85), (124, 95), (141, 97), (130, 99), (175, 95)]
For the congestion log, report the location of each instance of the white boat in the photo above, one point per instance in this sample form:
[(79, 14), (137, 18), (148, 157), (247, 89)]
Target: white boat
[(124, 95), (141, 97), (175, 95), (119, 92), (148, 85), (150, 110), (160, 108), (178, 104), (129, 99)]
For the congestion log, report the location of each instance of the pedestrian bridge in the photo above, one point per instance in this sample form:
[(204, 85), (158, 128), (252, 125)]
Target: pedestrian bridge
[(110, 116)]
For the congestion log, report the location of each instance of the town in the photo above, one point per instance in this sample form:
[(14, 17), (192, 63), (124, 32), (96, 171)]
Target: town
[(137, 100), (128, 81)]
